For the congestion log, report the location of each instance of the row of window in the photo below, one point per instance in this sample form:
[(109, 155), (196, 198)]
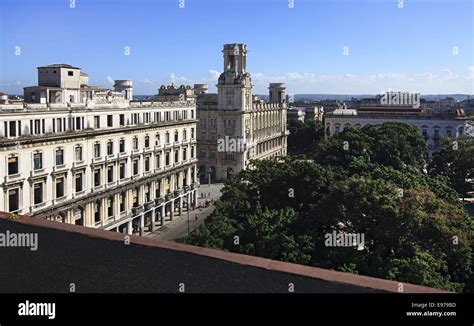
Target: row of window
[(228, 123), (13, 163), (38, 191), (146, 117), (424, 129), (38, 126), (135, 143)]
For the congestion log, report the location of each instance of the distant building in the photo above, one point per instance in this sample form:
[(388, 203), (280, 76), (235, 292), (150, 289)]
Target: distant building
[(234, 125), (3, 98), (432, 124), (296, 113), (171, 93), (303, 112)]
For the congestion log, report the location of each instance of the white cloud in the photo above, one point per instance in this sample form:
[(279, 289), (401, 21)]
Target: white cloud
[(447, 74), (180, 79), (470, 70), (214, 75), (148, 82), (443, 81)]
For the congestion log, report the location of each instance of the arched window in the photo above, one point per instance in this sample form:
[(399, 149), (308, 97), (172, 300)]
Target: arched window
[(135, 142), (157, 139), (147, 141)]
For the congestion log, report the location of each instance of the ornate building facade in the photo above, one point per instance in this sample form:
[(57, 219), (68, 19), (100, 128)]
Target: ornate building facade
[(89, 156), (234, 125)]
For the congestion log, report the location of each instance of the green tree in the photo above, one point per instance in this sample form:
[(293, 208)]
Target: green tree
[(282, 209), (303, 136), (393, 144), (456, 162), (423, 269)]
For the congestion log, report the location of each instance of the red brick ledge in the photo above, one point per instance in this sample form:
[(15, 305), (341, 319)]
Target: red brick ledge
[(274, 265)]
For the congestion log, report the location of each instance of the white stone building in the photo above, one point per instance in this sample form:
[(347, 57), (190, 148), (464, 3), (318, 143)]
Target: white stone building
[(88, 156), (234, 116), (432, 124)]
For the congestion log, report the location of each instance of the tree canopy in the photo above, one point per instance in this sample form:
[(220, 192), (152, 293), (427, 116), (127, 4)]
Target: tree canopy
[(456, 162), (369, 182)]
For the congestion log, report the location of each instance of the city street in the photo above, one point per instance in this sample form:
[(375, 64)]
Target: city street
[(178, 228)]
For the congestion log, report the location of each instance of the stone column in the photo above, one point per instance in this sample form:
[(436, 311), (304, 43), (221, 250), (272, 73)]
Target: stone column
[(129, 199), (162, 187), (129, 227), (142, 223), (103, 207), (180, 205), (152, 190), (117, 206), (153, 220), (172, 210), (163, 214)]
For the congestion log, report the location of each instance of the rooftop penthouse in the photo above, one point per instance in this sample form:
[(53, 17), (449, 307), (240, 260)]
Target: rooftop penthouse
[(62, 83)]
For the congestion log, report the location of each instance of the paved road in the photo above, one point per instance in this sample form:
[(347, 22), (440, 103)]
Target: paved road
[(178, 228)]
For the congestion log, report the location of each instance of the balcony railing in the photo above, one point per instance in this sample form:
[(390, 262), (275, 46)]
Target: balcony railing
[(137, 209), (148, 205)]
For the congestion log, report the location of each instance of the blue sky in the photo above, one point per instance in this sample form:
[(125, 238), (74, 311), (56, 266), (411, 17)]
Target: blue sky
[(426, 46)]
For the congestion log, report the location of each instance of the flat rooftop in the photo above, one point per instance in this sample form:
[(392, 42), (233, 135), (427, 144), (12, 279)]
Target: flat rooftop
[(99, 261)]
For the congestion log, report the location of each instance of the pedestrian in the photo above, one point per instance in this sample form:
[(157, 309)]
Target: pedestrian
[(196, 217)]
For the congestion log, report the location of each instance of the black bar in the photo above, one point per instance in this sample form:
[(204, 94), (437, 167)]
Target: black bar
[(369, 307)]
